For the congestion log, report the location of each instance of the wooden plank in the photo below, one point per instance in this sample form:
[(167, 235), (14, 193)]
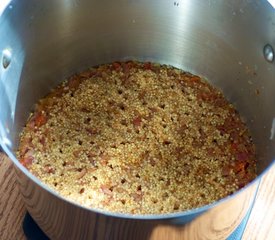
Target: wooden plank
[(261, 224), (12, 209)]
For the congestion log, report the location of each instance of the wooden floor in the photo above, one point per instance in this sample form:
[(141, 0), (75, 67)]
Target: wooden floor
[(261, 224)]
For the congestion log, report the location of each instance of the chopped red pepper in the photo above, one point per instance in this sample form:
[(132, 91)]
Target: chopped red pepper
[(137, 121), (49, 169), (242, 156), (27, 161), (234, 146), (148, 66), (116, 66), (40, 119), (74, 82)]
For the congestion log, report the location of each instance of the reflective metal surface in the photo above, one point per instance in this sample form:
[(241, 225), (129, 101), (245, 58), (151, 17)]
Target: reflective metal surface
[(6, 58), (268, 53), (222, 41)]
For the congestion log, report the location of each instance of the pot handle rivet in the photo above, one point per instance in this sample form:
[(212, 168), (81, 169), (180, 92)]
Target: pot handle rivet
[(6, 58), (268, 53)]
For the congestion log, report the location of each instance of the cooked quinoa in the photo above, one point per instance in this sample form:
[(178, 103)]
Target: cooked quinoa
[(138, 138)]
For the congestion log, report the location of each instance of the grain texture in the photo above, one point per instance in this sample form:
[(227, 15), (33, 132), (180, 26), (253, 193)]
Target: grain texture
[(154, 139)]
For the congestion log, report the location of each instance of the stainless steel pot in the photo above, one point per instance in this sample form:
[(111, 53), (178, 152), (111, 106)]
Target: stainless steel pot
[(43, 42)]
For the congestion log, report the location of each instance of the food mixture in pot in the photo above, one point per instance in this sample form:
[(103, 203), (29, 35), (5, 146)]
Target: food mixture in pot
[(138, 138)]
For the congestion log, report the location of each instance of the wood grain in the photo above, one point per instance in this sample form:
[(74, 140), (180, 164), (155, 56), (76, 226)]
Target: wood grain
[(261, 224), (12, 208)]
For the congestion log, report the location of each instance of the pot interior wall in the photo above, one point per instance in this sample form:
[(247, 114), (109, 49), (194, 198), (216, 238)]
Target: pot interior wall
[(219, 40)]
